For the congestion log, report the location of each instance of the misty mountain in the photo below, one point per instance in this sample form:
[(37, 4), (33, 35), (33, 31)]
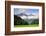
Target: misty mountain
[(20, 21), (30, 16)]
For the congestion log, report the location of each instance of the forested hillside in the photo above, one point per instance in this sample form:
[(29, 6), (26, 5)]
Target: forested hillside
[(19, 21)]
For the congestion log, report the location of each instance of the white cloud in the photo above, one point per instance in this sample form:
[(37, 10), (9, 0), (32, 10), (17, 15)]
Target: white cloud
[(21, 10)]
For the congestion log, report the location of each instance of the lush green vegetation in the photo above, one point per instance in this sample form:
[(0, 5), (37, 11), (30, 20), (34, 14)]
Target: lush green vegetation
[(35, 21), (18, 22)]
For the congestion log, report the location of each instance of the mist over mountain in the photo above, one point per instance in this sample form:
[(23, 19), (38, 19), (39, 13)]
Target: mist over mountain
[(28, 16), (20, 21)]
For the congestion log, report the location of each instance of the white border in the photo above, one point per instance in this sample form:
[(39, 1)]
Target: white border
[(26, 28)]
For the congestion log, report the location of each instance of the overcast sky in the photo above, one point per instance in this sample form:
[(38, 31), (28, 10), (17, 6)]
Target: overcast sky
[(26, 11)]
